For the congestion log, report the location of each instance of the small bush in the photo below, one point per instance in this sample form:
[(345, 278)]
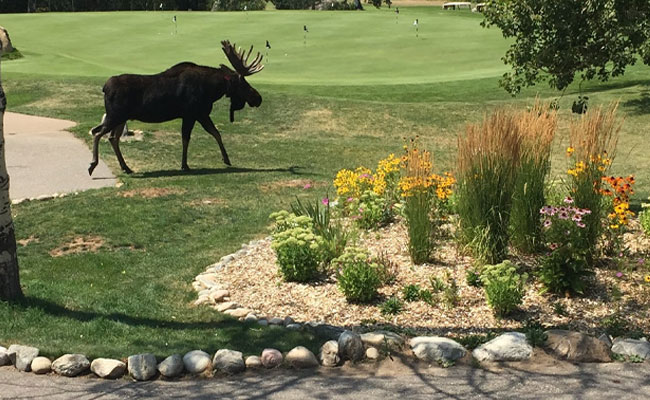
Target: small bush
[(238, 5), (470, 342), (358, 278), (426, 296), (387, 269), (293, 4), (411, 293), (437, 284), (473, 277), (504, 287), (535, 334), (450, 296), (391, 306), (299, 253)]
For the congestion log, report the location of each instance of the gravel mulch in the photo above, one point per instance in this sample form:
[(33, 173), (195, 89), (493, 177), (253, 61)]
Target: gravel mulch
[(254, 282)]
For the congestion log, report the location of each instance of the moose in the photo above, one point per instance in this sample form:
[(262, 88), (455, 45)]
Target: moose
[(186, 90)]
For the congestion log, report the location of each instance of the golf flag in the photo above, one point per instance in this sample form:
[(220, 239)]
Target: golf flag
[(305, 28), (268, 45)]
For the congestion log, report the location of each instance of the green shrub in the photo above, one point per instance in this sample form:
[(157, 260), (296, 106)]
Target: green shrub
[(437, 284), (284, 220), (299, 253), (426, 296), (335, 237), (293, 4), (411, 293), (473, 277), (535, 333), (450, 296), (391, 306), (504, 287), (566, 268), (387, 269), (358, 278), (371, 210)]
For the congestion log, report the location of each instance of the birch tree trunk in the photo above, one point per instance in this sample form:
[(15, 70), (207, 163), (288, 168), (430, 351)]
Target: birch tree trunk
[(9, 279)]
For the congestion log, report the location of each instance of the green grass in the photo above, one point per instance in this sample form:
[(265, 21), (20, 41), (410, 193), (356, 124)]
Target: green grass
[(348, 98)]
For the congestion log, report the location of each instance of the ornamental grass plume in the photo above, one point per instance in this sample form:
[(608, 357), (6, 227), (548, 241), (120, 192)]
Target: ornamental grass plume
[(537, 128), (592, 145), (488, 158)]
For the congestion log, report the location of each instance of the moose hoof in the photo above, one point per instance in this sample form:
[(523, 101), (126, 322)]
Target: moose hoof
[(185, 167), (127, 170), (227, 161), (91, 168)]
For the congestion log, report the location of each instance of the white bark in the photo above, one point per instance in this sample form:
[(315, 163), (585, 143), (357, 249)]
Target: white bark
[(9, 277)]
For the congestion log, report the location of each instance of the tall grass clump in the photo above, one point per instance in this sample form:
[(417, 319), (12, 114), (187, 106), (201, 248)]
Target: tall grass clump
[(592, 144), (425, 195), (488, 158), (537, 128)]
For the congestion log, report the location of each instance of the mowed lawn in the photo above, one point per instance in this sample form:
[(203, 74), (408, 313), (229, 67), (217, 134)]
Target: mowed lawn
[(361, 84)]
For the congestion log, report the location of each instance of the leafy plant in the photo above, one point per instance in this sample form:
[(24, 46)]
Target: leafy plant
[(437, 284), (504, 287), (298, 253), (473, 277), (411, 293), (358, 278), (470, 342), (644, 218), (391, 306), (387, 268), (450, 296), (426, 296), (615, 325), (535, 334), (559, 309)]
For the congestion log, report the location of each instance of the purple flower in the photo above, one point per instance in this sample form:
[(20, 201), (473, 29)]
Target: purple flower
[(641, 261), (307, 186), (576, 218), (546, 210), (547, 223), (325, 201), (580, 224), (563, 215), (568, 200), (350, 199), (619, 274), (586, 211), (553, 246)]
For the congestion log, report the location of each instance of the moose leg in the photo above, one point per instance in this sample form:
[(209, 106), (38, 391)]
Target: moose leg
[(97, 136), (116, 133), (186, 131), (208, 125)]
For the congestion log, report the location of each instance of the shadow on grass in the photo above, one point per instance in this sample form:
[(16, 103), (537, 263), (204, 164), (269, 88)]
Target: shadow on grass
[(213, 171), (640, 105)]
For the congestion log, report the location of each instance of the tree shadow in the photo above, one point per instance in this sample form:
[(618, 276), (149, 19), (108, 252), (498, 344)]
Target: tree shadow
[(293, 170), (640, 105)]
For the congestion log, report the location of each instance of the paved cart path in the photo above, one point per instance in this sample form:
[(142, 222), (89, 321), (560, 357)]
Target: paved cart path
[(44, 159), (585, 381)]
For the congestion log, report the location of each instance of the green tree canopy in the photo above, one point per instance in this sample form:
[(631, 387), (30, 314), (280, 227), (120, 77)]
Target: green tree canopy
[(556, 39)]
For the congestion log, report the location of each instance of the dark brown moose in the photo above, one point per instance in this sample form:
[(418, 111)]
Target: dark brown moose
[(185, 91)]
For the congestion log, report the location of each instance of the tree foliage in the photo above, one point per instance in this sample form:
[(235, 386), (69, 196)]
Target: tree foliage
[(21, 6), (555, 40)]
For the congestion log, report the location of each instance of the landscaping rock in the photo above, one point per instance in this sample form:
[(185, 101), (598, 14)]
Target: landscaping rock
[(350, 346), (381, 338), (22, 356), (196, 361), (276, 321), (294, 327), (250, 318), (238, 312), (228, 361), (632, 348), (107, 368), (288, 321), (605, 338), (229, 305), (301, 357), (71, 364), (4, 357), (41, 365), (329, 354), (253, 362), (271, 358), (262, 322), (142, 367), (172, 366), (437, 349), (372, 353), (219, 295), (328, 331), (510, 346), (576, 346)]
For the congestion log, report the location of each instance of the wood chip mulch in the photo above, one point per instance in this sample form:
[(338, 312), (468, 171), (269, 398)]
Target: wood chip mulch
[(254, 282)]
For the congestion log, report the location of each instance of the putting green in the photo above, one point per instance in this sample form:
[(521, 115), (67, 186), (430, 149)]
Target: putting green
[(343, 48)]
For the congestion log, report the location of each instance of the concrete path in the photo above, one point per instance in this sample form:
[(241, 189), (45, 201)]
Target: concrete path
[(585, 381), (44, 159)]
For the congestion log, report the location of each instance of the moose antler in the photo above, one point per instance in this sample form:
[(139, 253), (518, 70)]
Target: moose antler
[(237, 60)]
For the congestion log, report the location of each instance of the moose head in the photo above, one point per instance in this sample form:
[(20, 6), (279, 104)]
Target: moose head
[(239, 91)]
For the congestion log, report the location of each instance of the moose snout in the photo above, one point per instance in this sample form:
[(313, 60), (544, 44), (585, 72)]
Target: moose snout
[(255, 101)]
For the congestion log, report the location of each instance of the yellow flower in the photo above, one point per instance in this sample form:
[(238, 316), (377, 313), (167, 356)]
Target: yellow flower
[(647, 278), (570, 150)]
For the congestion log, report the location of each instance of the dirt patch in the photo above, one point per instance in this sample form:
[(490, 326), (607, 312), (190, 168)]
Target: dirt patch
[(293, 183), (150, 193), (214, 201), (80, 244), (25, 242)]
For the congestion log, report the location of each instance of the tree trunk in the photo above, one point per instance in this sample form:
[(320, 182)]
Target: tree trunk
[(9, 279)]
